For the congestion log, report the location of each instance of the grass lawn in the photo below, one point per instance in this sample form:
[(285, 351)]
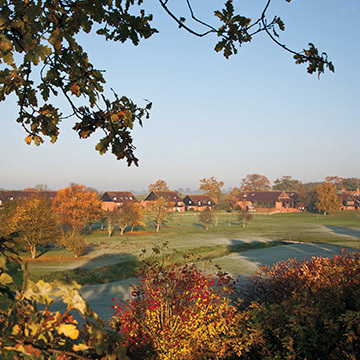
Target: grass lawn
[(109, 259)]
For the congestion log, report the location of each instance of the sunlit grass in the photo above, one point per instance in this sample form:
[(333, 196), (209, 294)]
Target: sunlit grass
[(116, 257)]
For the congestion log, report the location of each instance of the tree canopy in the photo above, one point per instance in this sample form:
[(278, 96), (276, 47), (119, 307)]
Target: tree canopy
[(287, 183), (326, 199), (41, 58), (158, 185), (212, 187), (255, 182)]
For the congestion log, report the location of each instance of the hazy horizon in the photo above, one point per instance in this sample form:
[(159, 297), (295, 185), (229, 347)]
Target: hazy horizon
[(257, 112)]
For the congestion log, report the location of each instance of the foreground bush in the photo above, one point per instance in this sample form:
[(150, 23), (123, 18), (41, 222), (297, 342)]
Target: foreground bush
[(305, 310), (179, 312), (29, 333)]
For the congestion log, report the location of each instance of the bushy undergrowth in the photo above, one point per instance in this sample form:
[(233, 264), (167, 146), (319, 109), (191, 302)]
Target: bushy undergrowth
[(306, 309), (179, 312), (292, 310)]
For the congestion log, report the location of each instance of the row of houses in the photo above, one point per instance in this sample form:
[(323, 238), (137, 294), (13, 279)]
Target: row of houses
[(255, 201), (112, 199)]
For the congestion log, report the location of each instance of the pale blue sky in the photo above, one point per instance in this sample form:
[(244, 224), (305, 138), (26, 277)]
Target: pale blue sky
[(255, 113)]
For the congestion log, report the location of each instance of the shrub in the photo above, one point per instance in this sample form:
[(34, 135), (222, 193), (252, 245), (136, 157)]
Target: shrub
[(305, 309), (179, 312), (28, 333)]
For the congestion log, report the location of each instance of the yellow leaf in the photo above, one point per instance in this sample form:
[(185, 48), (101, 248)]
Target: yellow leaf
[(28, 139), (69, 330), (80, 347)]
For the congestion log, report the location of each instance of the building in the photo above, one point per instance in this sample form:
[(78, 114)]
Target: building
[(350, 200), (15, 195), (113, 199), (149, 202), (267, 201), (198, 202)]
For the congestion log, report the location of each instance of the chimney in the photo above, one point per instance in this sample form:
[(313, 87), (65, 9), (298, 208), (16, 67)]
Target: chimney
[(357, 190), (343, 189)]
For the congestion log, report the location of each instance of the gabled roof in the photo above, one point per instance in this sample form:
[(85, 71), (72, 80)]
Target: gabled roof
[(200, 199), (170, 195), (121, 197), (349, 196), (263, 196), (10, 195)]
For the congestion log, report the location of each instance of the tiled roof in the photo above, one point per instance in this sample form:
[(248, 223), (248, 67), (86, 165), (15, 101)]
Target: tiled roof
[(201, 199), (263, 196), (348, 196), (10, 195), (122, 197), (170, 195)]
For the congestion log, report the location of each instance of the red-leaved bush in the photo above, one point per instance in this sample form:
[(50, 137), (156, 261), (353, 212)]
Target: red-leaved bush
[(179, 312), (305, 309)]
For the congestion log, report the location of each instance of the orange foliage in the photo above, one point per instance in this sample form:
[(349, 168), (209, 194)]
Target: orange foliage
[(74, 206), (305, 309), (179, 313)]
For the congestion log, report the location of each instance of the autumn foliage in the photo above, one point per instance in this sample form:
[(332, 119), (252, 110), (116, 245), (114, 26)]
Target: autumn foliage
[(34, 221), (33, 332), (292, 310), (74, 207), (178, 312), (305, 309)]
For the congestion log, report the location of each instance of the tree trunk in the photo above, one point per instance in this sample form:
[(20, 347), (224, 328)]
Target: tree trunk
[(157, 227), (122, 231), (216, 219), (110, 230), (324, 213), (33, 251), (207, 226), (90, 226), (244, 223)]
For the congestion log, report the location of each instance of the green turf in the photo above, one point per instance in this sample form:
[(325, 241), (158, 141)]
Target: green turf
[(118, 255)]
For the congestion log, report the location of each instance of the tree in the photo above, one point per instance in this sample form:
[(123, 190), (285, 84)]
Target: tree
[(255, 182), (286, 183), (351, 184), (231, 200), (162, 208), (35, 221), (338, 181), (135, 214), (159, 185), (326, 199), (74, 207), (42, 59), (112, 218), (206, 217), (212, 187), (123, 220), (244, 214), (42, 187)]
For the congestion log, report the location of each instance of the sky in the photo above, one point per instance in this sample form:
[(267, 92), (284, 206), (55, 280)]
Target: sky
[(257, 112)]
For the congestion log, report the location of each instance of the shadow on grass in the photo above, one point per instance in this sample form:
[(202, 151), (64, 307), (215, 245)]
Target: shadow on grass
[(344, 231), (198, 225), (90, 274)]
